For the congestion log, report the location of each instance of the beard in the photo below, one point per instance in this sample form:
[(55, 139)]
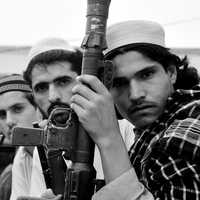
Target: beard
[(51, 107)]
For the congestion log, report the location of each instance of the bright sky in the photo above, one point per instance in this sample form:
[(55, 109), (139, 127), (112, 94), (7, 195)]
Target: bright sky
[(23, 22)]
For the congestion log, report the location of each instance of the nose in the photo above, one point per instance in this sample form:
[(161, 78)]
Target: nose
[(136, 91), (10, 120), (54, 93)]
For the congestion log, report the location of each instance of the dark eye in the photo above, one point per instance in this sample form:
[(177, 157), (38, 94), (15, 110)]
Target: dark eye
[(41, 87), (120, 82), (147, 74), (63, 81), (2, 114), (17, 109)]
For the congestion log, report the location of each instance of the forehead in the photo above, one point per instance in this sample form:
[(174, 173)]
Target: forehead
[(49, 72), (9, 99), (132, 62)]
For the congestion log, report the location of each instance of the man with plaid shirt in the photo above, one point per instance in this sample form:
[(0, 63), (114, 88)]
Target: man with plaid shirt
[(166, 154), (156, 91)]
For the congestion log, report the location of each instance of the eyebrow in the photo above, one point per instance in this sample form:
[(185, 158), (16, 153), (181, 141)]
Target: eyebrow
[(17, 104), (62, 77), (14, 105), (146, 69), (54, 80)]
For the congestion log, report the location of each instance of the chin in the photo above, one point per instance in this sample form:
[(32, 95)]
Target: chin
[(143, 122)]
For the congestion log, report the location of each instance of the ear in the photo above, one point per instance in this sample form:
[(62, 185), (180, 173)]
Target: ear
[(172, 72)]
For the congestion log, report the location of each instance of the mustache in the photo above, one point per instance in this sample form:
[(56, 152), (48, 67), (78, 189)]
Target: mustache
[(57, 105), (139, 106)]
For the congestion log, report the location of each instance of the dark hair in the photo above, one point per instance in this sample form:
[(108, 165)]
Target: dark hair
[(163, 56), (48, 57), (29, 96)]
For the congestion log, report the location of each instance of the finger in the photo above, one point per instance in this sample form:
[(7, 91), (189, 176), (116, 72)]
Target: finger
[(84, 91), (93, 82), (78, 110), (43, 123), (48, 194), (58, 197), (80, 101)]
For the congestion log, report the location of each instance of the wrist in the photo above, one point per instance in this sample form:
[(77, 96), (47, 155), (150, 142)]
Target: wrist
[(111, 151), (112, 140)]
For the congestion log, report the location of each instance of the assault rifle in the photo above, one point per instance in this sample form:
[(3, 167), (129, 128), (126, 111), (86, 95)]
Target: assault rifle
[(63, 132)]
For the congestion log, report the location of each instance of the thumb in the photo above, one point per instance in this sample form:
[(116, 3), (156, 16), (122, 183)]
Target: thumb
[(48, 194), (43, 123)]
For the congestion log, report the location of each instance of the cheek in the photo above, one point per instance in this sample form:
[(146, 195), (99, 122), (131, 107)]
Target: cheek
[(160, 93), (164, 94), (3, 126), (41, 101), (28, 118), (121, 99), (67, 93)]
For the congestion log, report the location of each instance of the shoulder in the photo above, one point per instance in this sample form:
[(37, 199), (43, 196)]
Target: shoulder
[(190, 109), (182, 138)]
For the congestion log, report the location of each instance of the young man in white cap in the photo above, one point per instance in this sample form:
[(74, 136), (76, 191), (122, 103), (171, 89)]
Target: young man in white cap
[(52, 68), (150, 90)]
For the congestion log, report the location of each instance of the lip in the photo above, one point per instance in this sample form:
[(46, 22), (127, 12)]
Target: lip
[(57, 105), (140, 109)]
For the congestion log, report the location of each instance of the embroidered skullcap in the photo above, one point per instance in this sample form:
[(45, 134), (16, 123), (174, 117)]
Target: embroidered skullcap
[(13, 82), (133, 32)]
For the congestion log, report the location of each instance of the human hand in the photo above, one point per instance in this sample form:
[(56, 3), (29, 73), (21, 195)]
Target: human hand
[(43, 123), (94, 106), (49, 195)]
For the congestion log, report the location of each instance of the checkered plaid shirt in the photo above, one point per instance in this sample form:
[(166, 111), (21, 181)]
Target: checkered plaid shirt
[(166, 156)]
